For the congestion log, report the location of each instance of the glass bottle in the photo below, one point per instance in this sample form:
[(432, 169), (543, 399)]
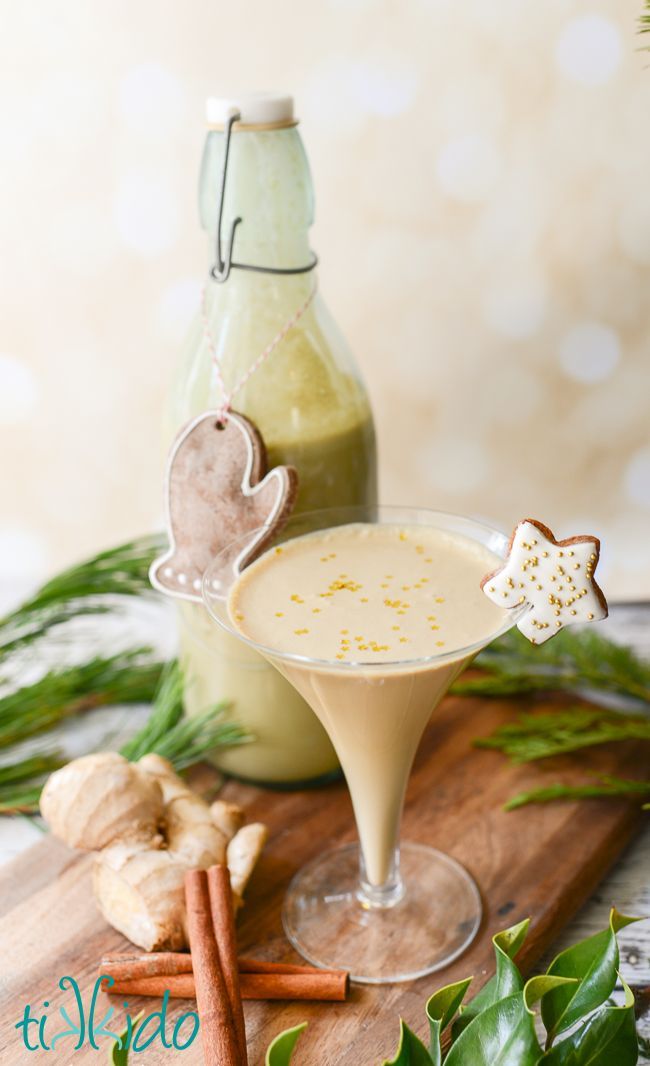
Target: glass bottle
[(307, 399)]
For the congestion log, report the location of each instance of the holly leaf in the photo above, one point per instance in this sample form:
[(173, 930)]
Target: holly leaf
[(118, 1054), (280, 1049), (410, 1051), (503, 1034), (608, 1037), (440, 1008), (507, 979), (594, 962)]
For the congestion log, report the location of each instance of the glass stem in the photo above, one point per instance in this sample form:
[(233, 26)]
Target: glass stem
[(387, 894)]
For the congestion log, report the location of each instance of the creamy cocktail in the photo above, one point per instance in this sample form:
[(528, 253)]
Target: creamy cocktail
[(370, 594), (371, 620)]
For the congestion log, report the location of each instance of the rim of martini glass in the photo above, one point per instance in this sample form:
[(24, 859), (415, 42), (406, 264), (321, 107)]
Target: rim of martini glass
[(210, 597)]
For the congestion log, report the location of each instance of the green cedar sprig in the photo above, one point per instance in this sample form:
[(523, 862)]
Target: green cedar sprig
[(571, 662), (600, 788), (540, 736)]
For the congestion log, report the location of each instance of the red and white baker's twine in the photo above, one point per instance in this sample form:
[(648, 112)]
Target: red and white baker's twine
[(227, 397)]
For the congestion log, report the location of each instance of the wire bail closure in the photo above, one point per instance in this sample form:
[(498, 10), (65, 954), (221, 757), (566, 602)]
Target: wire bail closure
[(220, 272)]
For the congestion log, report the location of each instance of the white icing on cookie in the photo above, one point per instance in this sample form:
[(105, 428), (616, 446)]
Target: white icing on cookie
[(556, 578)]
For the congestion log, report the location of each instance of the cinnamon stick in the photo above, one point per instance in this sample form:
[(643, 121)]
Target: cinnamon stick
[(330, 985), (247, 965), (213, 1005), (223, 923), (131, 966)]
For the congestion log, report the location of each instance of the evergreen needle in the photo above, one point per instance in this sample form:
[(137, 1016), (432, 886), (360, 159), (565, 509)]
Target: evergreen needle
[(20, 783), (184, 741), (539, 736), (129, 677), (604, 787), (569, 663), (120, 571)]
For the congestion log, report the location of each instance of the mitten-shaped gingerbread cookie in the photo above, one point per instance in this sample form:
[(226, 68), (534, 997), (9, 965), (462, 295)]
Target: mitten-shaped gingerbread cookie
[(218, 490)]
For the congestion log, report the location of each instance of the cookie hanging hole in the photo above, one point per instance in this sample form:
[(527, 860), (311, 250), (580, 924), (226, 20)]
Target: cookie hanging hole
[(220, 424)]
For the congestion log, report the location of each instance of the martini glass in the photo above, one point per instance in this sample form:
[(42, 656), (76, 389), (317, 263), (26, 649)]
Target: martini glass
[(381, 910)]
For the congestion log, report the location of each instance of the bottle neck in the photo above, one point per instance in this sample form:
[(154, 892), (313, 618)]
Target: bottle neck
[(268, 186)]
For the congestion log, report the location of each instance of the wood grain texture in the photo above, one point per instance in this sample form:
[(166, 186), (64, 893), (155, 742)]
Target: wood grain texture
[(543, 862)]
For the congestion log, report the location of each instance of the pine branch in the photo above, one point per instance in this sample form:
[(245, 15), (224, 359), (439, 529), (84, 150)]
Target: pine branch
[(184, 741), (540, 736), (129, 677), (570, 662), (21, 783), (604, 787), (120, 571)]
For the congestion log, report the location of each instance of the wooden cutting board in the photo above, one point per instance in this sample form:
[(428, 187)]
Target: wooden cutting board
[(541, 862)]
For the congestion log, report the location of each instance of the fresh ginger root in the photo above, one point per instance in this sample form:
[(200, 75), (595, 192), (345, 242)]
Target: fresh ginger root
[(148, 829)]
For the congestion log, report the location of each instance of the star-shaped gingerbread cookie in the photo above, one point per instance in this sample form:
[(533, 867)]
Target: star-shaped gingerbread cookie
[(554, 577), (217, 490)]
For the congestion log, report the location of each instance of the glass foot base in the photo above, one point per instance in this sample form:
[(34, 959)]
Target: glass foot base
[(435, 920)]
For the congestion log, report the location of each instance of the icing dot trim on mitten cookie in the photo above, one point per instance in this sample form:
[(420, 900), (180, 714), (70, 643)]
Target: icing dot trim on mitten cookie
[(554, 577)]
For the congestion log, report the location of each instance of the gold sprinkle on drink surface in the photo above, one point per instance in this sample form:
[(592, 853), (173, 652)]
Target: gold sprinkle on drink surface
[(358, 620)]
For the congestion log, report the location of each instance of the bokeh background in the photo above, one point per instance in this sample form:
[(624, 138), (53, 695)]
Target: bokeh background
[(482, 172)]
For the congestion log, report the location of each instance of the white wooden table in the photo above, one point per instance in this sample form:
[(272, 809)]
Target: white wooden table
[(627, 886)]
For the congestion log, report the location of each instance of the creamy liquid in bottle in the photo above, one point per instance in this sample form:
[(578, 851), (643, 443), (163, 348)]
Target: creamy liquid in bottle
[(355, 597), (307, 399)]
